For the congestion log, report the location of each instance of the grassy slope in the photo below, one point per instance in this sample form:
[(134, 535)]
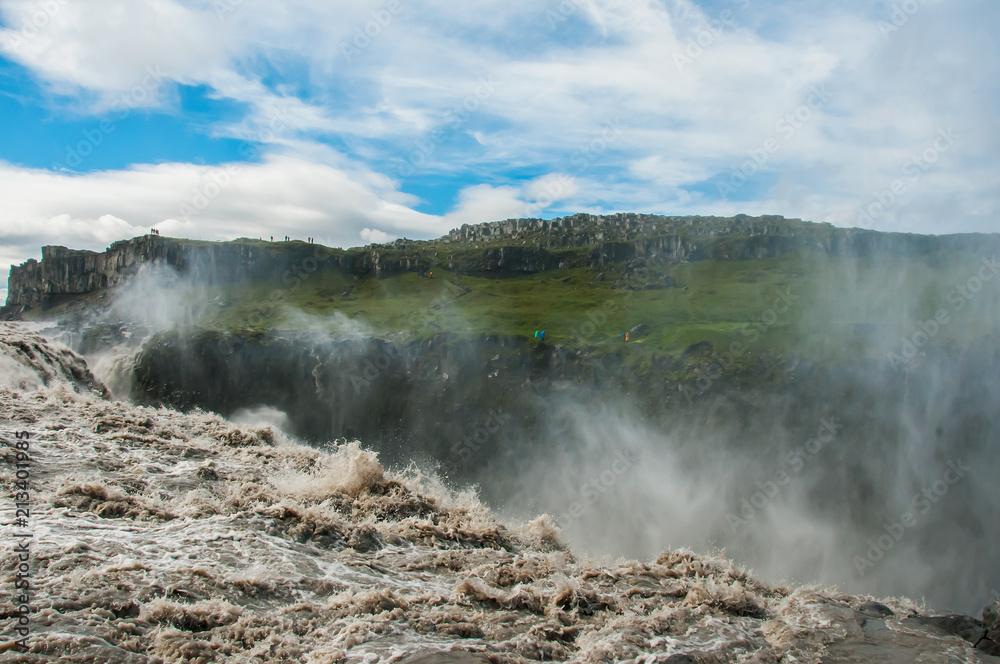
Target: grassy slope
[(841, 303)]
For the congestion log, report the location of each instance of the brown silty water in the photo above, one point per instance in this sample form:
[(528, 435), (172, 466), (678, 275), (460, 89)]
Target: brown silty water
[(160, 536)]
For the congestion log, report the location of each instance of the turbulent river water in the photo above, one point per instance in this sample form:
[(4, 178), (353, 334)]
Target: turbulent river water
[(159, 536)]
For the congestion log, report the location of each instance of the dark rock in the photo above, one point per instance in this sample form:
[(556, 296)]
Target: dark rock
[(510, 260), (965, 627), (195, 453), (988, 646), (698, 350), (990, 643), (612, 252), (207, 473), (364, 539), (991, 620), (455, 656), (875, 609)]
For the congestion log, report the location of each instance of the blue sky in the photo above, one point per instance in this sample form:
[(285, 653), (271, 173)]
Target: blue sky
[(365, 120)]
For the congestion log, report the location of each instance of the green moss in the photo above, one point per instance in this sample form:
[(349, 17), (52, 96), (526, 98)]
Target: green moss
[(836, 304), (720, 302)]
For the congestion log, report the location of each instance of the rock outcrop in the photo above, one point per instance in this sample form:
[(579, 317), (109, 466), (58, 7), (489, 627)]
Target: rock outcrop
[(66, 272), (500, 248)]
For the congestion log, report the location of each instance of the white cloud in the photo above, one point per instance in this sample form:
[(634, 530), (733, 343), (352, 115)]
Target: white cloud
[(110, 46), (483, 202), (559, 91), (375, 236), (552, 187), (284, 195)]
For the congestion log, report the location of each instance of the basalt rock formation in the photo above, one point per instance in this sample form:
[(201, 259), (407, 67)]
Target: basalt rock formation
[(500, 248)]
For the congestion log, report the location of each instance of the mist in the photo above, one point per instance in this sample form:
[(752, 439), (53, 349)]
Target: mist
[(871, 469), (823, 505)]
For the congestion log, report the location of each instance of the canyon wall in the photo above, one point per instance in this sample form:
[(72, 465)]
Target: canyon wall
[(500, 248)]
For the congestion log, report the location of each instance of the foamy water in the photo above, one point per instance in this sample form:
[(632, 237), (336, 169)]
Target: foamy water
[(167, 537)]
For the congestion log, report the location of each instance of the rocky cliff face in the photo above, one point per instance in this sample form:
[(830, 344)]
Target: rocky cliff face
[(389, 394), (501, 248), (582, 230), (66, 272), (494, 410)]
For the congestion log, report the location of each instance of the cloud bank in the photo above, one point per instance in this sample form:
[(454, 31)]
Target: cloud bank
[(365, 120)]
